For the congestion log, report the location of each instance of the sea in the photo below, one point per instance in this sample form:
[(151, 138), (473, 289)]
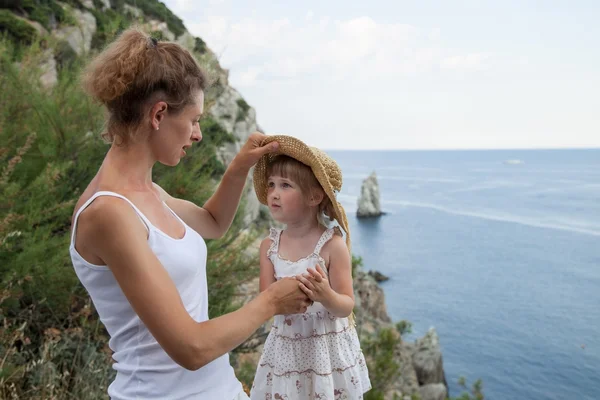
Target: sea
[(499, 251)]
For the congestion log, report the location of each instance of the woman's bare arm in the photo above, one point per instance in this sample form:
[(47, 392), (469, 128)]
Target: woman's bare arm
[(213, 219), (111, 230)]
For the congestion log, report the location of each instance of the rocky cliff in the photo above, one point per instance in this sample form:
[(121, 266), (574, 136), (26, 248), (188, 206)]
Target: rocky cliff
[(75, 28)]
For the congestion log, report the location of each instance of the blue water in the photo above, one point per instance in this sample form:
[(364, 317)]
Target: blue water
[(502, 259)]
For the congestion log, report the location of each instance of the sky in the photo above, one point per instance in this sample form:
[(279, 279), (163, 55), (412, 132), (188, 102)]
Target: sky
[(422, 74)]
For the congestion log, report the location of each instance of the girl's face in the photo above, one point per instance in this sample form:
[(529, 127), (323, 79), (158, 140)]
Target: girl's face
[(286, 201), (177, 132)]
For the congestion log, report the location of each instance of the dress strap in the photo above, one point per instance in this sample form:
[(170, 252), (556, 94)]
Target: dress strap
[(107, 193), (326, 237), (274, 235)]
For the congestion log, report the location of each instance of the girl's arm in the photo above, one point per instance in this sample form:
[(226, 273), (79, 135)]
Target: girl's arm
[(334, 292), (267, 271), (214, 219)]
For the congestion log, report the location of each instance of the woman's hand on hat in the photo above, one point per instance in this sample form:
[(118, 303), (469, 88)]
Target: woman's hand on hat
[(286, 297), (253, 150), (315, 284)]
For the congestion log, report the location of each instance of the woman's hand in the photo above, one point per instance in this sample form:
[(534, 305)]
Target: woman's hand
[(315, 284), (252, 151), (286, 297)]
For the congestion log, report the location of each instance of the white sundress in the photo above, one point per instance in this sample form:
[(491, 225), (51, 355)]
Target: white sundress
[(312, 356)]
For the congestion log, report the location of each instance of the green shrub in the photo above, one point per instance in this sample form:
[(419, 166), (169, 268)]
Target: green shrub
[(242, 110), (158, 10), (404, 327), (383, 368), (357, 262), (52, 344), (16, 29), (49, 12), (200, 46), (475, 392), (108, 24)]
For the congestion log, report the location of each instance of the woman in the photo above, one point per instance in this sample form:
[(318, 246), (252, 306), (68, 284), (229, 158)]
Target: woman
[(140, 253)]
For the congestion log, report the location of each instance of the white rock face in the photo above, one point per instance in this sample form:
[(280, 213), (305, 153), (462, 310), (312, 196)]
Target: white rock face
[(106, 3), (368, 202), (236, 117), (48, 67), (79, 37), (433, 391), (154, 25), (136, 12), (187, 40)]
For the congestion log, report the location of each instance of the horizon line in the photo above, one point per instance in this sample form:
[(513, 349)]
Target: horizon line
[(467, 149)]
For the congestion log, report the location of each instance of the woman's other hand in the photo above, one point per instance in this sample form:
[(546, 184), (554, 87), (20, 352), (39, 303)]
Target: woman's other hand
[(287, 298)]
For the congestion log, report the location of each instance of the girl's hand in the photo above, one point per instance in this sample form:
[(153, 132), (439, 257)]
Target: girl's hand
[(315, 284), (253, 150)]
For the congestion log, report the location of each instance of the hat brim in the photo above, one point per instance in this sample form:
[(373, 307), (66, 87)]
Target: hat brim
[(297, 149)]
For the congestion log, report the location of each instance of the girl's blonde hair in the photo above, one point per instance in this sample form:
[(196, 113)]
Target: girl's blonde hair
[(136, 69), (292, 169)]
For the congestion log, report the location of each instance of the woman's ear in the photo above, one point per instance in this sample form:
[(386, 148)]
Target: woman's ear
[(157, 113)]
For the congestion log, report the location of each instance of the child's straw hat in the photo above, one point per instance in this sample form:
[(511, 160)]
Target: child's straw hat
[(326, 170)]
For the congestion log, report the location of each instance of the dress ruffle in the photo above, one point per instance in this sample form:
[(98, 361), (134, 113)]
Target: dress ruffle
[(316, 321), (329, 366)]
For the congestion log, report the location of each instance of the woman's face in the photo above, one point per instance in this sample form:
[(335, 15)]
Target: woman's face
[(176, 132)]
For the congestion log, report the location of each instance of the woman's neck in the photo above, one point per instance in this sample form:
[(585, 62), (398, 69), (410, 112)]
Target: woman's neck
[(128, 167)]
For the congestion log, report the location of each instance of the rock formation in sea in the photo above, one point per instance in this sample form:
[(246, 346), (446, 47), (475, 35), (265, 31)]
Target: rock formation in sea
[(369, 201)]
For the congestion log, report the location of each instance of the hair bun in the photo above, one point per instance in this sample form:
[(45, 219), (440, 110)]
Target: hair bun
[(110, 74)]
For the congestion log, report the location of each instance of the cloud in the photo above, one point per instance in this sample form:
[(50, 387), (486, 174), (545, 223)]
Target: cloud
[(259, 49), (471, 61)]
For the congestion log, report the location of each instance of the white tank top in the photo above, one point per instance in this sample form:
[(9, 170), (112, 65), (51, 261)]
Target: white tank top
[(144, 370)]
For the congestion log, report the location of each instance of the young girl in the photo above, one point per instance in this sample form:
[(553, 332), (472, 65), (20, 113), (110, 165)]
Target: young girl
[(314, 355)]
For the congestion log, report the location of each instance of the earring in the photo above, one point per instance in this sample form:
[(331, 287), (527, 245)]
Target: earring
[(157, 128)]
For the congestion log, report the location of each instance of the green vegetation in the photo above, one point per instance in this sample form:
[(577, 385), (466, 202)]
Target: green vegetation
[(357, 262), (383, 368), (52, 345), (108, 22), (48, 12), (16, 29), (243, 109), (404, 327), (475, 393), (200, 46), (158, 10)]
